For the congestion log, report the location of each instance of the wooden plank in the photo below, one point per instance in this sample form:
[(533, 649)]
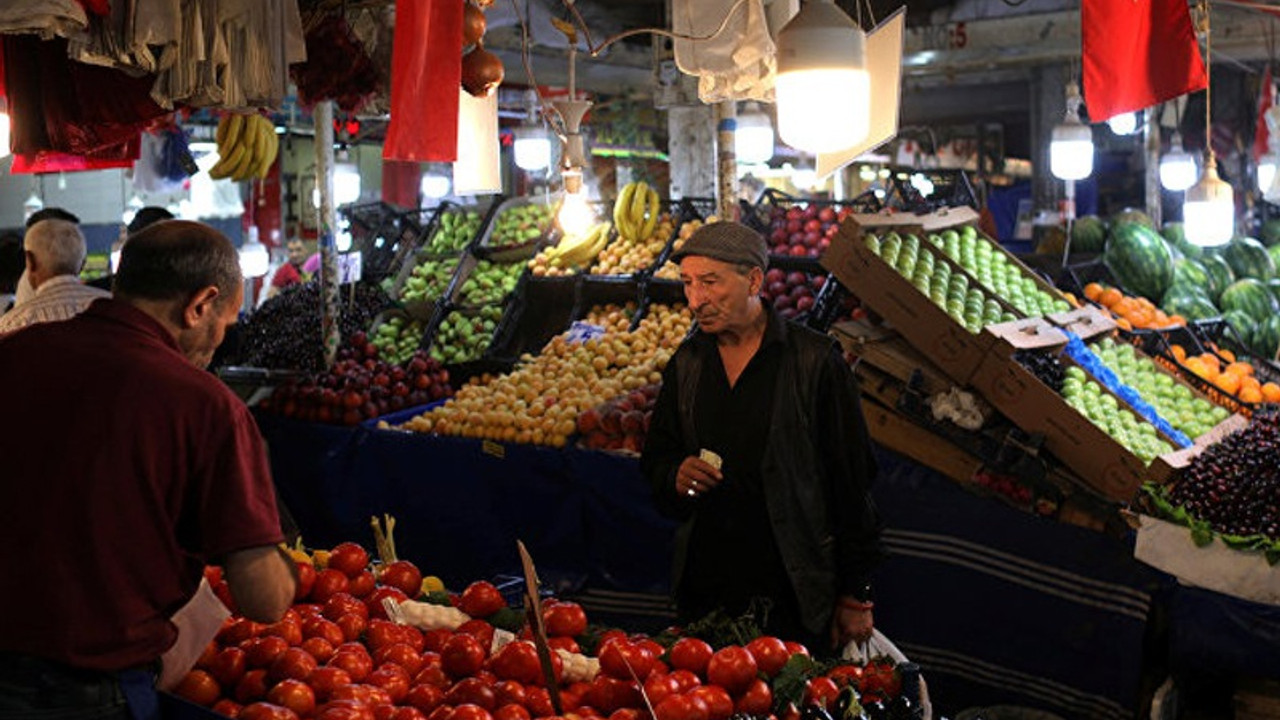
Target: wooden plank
[(903, 436)]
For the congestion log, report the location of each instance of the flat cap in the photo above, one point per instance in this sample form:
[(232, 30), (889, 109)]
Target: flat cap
[(726, 241)]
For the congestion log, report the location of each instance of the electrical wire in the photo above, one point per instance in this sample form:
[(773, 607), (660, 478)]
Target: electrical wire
[(595, 50)]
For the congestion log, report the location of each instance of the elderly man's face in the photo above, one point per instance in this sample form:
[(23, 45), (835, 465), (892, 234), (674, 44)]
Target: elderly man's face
[(719, 294)]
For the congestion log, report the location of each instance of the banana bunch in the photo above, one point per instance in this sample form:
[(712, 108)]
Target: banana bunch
[(247, 146), (579, 251), (636, 211)]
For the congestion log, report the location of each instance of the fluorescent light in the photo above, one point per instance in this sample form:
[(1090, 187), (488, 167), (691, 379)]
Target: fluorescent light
[(346, 183), (823, 89), (753, 136), (4, 134), (1071, 146), (1178, 167), (435, 186), (1209, 212), (255, 261)]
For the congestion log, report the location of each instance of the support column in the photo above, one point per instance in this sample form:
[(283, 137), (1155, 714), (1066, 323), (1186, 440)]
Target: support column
[(330, 331), (1048, 105), (1151, 142), (691, 148), (726, 160)]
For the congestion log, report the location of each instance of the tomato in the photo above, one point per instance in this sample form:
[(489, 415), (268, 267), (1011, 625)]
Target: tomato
[(434, 640), (357, 665), (289, 629), (508, 692), (629, 714), (368, 694), (208, 655), (321, 627), (846, 675), (481, 599), (408, 713), (403, 576), (266, 711), (228, 666), (462, 656), (565, 618), (538, 702), (680, 707), (770, 654), (308, 609), (880, 679), (571, 697), (349, 559), (685, 680), (433, 674), (306, 581), (424, 697), (236, 631), (442, 712), (790, 713), (253, 686), (517, 661), (732, 668), (375, 598), (362, 584), (471, 691), (756, 700), (383, 712), (470, 712), (325, 679), (657, 687), (607, 694), (295, 695), (391, 678), (295, 663), (795, 648), (820, 691), (329, 582), (719, 703), (343, 603), (511, 712), (319, 648), (228, 707), (691, 654), (567, 644), (413, 637), (399, 654), (345, 710), (626, 660), (651, 644), (481, 630), (352, 626), (199, 687)]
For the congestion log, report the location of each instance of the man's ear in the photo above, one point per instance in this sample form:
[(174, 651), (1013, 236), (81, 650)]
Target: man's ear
[(755, 280), (32, 263), (199, 306)]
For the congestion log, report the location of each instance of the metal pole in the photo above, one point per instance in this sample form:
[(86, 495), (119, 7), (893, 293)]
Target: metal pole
[(726, 160), (330, 332)]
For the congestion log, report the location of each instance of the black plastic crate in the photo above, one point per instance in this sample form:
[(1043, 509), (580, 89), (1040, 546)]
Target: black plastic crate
[(606, 290), (771, 211), (690, 209), (379, 235), (542, 308), (951, 188), (1158, 344)]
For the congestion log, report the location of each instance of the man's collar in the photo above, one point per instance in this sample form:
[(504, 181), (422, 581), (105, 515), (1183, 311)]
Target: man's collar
[(58, 281)]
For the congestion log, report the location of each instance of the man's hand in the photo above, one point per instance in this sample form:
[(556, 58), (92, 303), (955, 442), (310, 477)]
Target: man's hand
[(852, 620), (696, 476)]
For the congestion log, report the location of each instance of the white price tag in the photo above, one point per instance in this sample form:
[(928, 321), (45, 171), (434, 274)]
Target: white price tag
[(350, 268)]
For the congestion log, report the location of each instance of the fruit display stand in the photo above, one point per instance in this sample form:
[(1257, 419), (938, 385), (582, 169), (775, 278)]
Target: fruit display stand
[(799, 227), (385, 236), (518, 223)]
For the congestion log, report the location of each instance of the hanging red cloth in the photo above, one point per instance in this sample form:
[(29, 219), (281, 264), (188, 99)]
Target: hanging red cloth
[(1261, 135), (1137, 53), (426, 72)]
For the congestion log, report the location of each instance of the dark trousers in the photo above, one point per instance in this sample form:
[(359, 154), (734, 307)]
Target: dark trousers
[(35, 689)]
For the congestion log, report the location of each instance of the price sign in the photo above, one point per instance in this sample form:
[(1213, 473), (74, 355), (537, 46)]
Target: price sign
[(350, 268), (580, 332)]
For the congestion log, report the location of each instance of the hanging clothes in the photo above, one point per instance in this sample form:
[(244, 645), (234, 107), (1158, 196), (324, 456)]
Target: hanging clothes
[(736, 64), (124, 38), (425, 75), (45, 18), (337, 67)]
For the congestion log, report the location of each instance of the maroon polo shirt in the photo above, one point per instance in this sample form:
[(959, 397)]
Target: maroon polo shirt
[(123, 469)]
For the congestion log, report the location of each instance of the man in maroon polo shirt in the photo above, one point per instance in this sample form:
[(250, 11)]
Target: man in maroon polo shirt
[(128, 469)]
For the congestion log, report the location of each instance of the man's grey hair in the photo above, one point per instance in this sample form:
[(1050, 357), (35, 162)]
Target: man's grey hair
[(59, 244)]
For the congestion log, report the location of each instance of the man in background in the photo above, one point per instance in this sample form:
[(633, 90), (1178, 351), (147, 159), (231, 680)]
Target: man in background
[(54, 252), (24, 291), (290, 272)]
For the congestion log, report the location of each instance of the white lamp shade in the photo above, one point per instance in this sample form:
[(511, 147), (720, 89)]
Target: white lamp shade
[(823, 89), (254, 259), (1178, 170), (1267, 165), (346, 183), (1124, 123), (753, 138), (575, 216), (1071, 151), (804, 178), (4, 134), (1208, 214), (435, 186), (532, 148)]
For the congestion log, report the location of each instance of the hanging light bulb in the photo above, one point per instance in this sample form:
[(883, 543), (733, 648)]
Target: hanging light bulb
[(1209, 209), (532, 147), (1177, 167), (1071, 147), (255, 261), (33, 205), (131, 209), (823, 89), (1269, 163), (435, 184), (1124, 123), (346, 179), (753, 138), (575, 216)]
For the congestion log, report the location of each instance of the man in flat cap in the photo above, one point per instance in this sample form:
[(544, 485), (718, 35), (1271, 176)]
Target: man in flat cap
[(758, 445)]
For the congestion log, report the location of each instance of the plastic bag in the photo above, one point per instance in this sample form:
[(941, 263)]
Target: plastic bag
[(425, 76), (881, 646), (736, 64)]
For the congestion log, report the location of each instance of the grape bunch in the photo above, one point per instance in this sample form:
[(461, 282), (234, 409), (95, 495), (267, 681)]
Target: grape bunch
[(1044, 366), (1234, 485), (285, 334)]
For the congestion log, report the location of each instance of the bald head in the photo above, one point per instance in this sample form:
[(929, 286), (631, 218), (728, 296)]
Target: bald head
[(53, 248)]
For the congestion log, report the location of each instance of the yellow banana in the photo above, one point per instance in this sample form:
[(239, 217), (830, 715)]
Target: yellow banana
[(635, 216), (220, 135), (235, 127), (655, 209), (621, 208), (241, 169), (273, 149), (228, 161), (261, 147)]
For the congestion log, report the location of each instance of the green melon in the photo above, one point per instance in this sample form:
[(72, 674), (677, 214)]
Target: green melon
[(1249, 258), (1274, 252), (1251, 297), (1140, 260), (1176, 235), (1219, 272), (1190, 272), (1237, 339), (1265, 340), (1088, 234), (1270, 233), (1132, 216), (1188, 302)]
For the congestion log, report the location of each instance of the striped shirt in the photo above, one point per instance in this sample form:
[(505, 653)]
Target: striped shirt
[(58, 298)]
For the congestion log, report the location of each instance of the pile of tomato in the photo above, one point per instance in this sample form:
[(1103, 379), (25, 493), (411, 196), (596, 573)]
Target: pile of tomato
[(336, 656)]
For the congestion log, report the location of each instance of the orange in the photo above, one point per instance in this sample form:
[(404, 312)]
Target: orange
[(1228, 382), (1226, 355), (1211, 359), (1249, 382), (1197, 366), (1239, 368), (1179, 352), (1177, 320), (1251, 395), (1271, 392), (1093, 291), (1110, 297), (1123, 324), (1124, 306)]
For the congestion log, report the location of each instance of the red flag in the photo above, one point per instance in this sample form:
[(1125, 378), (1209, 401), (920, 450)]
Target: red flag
[(1261, 136), (426, 72), (1137, 53)]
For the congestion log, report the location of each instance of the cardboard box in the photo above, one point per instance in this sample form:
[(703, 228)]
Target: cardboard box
[(933, 332), (1103, 464)]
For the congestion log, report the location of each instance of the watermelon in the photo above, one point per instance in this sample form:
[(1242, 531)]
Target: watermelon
[(1176, 235), (1251, 297), (1219, 272), (1088, 234), (1249, 259), (1139, 259), (1265, 340), (1188, 302), (1190, 272), (1130, 216), (1274, 252), (1270, 233), (1274, 286), (1241, 330)]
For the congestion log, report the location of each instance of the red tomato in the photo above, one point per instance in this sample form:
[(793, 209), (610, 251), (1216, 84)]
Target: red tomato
[(329, 582), (375, 598), (719, 703), (408, 713), (629, 714), (349, 559), (236, 631), (565, 618), (384, 712), (538, 702), (253, 686), (325, 679), (208, 655), (403, 576), (434, 640), (561, 642), (757, 700), (481, 599), (511, 712), (626, 660), (424, 697), (342, 603), (442, 712), (413, 637), (345, 710), (295, 663), (685, 680), (433, 674), (881, 679), (380, 633), (607, 694), (263, 651), (481, 630), (295, 695), (354, 646), (659, 668), (732, 668), (352, 626), (370, 695), (391, 678), (791, 713), (289, 629), (199, 687), (650, 643), (400, 654), (471, 691), (228, 666), (228, 707), (323, 628), (362, 585), (517, 661), (470, 712), (306, 581), (680, 707), (770, 654), (657, 687), (508, 692), (846, 675), (357, 665), (266, 711), (820, 691), (308, 609), (796, 648), (691, 654), (319, 648), (462, 656)]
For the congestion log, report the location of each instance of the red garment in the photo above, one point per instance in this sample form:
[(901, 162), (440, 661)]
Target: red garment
[(1137, 53), (126, 468), (1261, 134), (426, 73), (287, 275)]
